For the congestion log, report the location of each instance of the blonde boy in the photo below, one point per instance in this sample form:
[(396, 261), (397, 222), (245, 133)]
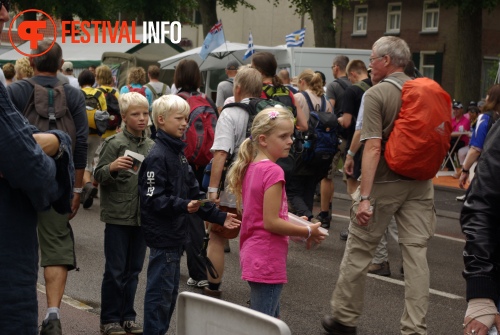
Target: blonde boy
[(169, 193), (124, 246)]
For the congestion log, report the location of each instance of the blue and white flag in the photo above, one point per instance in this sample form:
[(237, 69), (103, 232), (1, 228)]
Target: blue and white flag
[(296, 39), (215, 38), (250, 50)]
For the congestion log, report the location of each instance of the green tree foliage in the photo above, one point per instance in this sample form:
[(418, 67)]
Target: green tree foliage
[(208, 10), (321, 13)]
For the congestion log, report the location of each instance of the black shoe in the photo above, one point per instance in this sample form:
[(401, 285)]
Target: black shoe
[(88, 194), (344, 233), (336, 328), (325, 221), (382, 269), (227, 247), (51, 326)]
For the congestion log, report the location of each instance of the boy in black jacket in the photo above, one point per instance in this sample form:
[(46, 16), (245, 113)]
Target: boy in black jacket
[(169, 192)]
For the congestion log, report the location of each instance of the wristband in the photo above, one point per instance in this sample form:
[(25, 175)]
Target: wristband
[(350, 153), (77, 190), (212, 189), (465, 171), (309, 231)]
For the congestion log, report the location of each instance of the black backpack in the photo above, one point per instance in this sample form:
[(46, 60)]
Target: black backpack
[(254, 107), (320, 139), (115, 118), (47, 109)]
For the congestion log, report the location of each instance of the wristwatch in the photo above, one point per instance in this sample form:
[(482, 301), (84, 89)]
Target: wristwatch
[(364, 197)]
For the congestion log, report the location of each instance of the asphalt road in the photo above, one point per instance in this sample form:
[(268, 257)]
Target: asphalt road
[(312, 276)]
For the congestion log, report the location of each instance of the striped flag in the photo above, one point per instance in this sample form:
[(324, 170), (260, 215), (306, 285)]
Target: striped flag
[(215, 38), (250, 50), (296, 39)]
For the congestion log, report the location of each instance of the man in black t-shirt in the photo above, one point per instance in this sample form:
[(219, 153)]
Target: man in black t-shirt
[(358, 75)]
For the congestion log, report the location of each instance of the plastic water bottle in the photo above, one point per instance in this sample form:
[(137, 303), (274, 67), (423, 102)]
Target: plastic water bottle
[(493, 331)]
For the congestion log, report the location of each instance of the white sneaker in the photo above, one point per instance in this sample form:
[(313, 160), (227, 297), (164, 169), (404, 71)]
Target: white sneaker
[(201, 283), (460, 198)]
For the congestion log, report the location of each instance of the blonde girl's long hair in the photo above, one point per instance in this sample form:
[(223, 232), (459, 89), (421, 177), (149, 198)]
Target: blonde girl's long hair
[(263, 124)]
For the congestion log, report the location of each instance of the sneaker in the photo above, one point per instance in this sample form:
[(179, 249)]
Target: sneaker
[(88, 194), (344, 233), (132, 327), (212, 293), (51, 325), (112, 329), (227, 247), (325, 221), (197, 283), (382, 269), (460, 198)]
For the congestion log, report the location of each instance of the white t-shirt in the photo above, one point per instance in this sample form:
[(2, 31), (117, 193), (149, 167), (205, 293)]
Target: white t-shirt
[(230, 132)]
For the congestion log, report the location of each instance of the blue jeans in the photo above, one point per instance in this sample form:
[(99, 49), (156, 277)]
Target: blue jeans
[(162, 289), (124, 250), (265, 298), (19, 263)]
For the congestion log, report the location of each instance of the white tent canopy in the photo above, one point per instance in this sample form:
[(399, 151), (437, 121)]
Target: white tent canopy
[(219, 57)]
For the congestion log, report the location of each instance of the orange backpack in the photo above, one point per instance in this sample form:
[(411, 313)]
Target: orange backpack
[(421, 136)]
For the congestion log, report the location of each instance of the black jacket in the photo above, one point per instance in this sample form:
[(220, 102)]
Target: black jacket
[(166, 185), (480, 220)]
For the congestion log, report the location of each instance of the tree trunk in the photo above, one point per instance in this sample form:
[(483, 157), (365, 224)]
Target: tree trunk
[(208, 13), (469, 55), (324, 30)]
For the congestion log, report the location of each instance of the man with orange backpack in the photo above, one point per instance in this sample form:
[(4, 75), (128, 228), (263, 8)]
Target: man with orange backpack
[(388, 190)]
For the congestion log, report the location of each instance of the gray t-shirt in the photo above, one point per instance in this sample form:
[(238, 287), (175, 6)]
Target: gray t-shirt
[(158, 87), (230, 132), (336, 92), (224, 91)]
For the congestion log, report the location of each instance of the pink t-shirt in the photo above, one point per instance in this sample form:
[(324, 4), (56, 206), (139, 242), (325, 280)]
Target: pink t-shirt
[(262, 253), (465, 122)]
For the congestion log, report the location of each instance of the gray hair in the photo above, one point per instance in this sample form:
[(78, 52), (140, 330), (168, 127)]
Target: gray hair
[(394, 47)]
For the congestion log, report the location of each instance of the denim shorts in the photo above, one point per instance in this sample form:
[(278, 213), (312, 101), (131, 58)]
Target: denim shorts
[(265, 298)]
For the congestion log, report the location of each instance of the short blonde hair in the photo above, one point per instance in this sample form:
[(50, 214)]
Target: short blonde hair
[(132, 99), (23, 68), (167, 105)]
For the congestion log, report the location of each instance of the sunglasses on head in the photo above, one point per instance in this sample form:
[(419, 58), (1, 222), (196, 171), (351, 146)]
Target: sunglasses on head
[(6, 4)]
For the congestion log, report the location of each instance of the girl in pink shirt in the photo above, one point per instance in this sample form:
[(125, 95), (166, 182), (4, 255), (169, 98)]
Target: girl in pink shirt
[(258, 182)]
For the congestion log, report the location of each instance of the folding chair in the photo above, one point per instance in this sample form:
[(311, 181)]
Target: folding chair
[(201, 315)]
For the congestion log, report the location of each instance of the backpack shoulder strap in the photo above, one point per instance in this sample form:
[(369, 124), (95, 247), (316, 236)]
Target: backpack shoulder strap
[(246, 107), (394, 82), (341, 83), (323, 103), (362, 85), (164, 89), (184, 95), (308, 99), (155, 94)]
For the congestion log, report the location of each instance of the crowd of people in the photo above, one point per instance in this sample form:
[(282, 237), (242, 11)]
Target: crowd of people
[(152, 193)]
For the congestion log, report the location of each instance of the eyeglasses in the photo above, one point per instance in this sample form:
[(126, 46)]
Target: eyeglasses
[(371, 59), (334, 66), (69, 69), (6, 4)]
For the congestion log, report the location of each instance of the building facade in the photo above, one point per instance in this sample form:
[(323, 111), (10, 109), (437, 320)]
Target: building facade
[(429, 29)]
